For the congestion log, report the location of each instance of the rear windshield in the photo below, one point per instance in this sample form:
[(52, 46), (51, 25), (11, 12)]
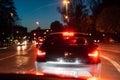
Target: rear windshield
[(59, 40)]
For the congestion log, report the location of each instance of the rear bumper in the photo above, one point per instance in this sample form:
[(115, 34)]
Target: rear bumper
[(69, 69)]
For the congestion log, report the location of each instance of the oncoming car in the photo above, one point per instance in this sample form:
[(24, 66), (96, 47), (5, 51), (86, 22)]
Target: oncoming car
[(69, 54), (21, 43)]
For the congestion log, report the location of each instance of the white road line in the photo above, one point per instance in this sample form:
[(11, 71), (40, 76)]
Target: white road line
[(3, 48), (116, 65), (13, 55), (7, 57)]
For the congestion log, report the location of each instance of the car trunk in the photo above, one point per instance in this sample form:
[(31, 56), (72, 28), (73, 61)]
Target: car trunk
[(68, 53)]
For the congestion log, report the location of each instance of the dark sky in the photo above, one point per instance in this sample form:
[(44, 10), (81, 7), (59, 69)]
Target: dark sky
[(44, 11)]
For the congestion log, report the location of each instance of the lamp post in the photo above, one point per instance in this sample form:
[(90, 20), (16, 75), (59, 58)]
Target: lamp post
[(12, 28), (66, 2)]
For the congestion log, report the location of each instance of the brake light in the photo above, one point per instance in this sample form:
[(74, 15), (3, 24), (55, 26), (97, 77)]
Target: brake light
[(94, 54), (68, 34), (92, 78), (40, 73), (41, 39), (41, 53)]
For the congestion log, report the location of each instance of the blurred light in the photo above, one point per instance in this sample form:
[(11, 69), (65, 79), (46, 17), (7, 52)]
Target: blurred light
[(21, 47), (34, 34), (60, 60), (68, 34), (90, 34), (37, 23), (66, 17), (18, 48), (41, 53), (11, 14), (92, 78), (103, 34), (66, 2), (96, 41), (45, 33), (21, 60), (47, 30), (40, 73), (93, 54)]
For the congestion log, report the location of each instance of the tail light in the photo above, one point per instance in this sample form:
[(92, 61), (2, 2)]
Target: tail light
[(92, 78), (40, 73), (41, 53), (94, 54), (68, 34)]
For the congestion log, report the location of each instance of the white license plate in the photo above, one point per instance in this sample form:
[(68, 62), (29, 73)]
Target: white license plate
[(75, 73)]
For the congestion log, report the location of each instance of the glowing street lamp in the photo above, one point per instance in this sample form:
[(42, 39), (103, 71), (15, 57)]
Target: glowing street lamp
[(12, 33), (66, 2), (11, 14), (38, 23), (66, 17)]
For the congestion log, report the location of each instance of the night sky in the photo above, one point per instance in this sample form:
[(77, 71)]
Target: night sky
[(44, 11)]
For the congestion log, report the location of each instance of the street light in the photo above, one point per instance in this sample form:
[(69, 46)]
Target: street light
[(12, 28), (66, 2), (11, 14), (38, 23)]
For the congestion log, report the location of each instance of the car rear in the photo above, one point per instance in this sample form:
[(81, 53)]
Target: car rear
[(68, 54)]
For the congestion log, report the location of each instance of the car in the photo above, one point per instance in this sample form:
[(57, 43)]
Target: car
[(39, 42), (69, 54), (20, 43)]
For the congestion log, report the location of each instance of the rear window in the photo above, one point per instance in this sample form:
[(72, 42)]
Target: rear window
[(74, 41), (59, 40)]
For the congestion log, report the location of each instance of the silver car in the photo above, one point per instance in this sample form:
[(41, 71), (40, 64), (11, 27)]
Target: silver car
[(69, 54)]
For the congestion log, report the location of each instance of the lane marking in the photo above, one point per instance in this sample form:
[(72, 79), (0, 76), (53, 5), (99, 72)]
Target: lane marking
[(3, 48), (115, 64), (7, 57), (14, 54)]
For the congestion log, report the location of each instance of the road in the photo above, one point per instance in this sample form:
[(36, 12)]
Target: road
[(110, 56), (21, 59), (17, 59)]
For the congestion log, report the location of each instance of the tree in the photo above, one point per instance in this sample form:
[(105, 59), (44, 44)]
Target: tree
[(77, 13), (8, 16), (56, 26), (109, 20), (105, 14)]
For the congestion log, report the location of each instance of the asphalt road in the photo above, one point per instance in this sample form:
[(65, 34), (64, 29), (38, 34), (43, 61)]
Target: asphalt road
[(21, 59)]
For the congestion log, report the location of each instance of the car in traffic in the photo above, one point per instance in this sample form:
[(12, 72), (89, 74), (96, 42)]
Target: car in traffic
[(39, 42), (69, 54), (20, 43)]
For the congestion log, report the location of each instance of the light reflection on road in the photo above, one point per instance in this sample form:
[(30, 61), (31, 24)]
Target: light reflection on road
[(21, 50), (21, 60)]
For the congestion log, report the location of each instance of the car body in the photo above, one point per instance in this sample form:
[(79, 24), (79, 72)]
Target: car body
[(22, 43), (70, 54)]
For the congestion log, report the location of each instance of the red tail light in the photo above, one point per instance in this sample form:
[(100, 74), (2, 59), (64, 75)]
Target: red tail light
[(68, 34), (41, 53), (40, 73), (94, 54)]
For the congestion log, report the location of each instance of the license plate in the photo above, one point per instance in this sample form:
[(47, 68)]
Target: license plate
[(76, 73)]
